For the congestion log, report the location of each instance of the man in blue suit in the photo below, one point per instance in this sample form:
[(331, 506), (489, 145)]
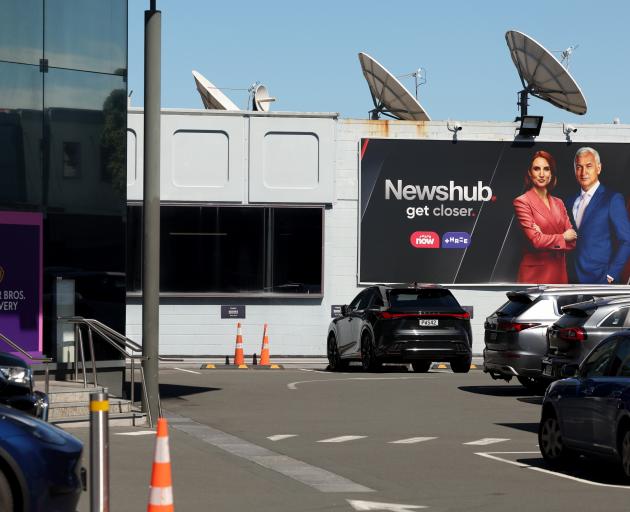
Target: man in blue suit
[(601, 220)]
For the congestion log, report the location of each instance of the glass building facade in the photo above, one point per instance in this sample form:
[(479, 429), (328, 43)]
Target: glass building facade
[(63, 120)]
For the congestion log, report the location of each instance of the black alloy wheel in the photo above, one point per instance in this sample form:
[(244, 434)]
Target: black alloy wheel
[(461, 365), (369, 362), (6, 495), (535, 386), (335, 362), (625, 454), (421, 366), (550, 439)]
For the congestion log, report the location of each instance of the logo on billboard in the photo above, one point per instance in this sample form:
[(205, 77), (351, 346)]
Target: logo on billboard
[(1, 274), (425, 240), (455, 240)]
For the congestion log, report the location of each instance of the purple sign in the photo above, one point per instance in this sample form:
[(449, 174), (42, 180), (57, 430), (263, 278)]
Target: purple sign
[(21, 280), (455, 240)]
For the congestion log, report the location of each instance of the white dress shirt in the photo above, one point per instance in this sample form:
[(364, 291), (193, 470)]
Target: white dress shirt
[(586, 197)]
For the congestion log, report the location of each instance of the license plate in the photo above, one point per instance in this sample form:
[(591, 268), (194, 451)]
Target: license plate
[(548, 370), (424, 322)]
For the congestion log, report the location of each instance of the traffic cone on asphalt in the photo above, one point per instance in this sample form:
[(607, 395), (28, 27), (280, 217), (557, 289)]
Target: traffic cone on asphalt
[(239, 356), (161, 490), (264, 352)]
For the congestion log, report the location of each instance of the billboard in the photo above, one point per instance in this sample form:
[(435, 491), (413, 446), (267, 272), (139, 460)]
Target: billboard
[(482, 212), (21, 281)]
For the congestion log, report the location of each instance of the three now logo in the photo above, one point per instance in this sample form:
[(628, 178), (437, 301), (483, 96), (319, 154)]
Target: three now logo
[(431, 240)]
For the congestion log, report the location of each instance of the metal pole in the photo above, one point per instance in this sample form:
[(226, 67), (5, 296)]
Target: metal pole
[(151, 209), (99, 452)]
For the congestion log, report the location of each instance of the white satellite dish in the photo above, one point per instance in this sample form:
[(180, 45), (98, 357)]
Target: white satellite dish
[(542, 75), (212, 97), (261, 98), (389, 96)]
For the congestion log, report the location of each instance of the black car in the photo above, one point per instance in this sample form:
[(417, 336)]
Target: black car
[(590, 412), (16, 387), (401, 324)]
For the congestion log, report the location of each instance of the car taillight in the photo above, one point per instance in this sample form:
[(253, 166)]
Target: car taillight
[(387, 315), (572, 334), (504, 325)]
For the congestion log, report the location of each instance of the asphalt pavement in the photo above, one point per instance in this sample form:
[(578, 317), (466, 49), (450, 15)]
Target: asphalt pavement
[(304, 439)]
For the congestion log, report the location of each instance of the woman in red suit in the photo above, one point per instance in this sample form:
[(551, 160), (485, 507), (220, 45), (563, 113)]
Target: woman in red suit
[(546, 225)]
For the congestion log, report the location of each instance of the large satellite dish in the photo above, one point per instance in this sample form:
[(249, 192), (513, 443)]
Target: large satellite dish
[(389, 96), (212, 97), (542, 75), (261, 99)]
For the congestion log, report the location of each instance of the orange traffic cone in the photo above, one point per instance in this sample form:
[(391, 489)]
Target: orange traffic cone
[(239, 356), (264, 352), (161, 490)]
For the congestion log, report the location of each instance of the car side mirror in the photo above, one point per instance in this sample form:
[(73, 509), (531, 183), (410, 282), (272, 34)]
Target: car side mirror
[(344, 310), (569, 370)]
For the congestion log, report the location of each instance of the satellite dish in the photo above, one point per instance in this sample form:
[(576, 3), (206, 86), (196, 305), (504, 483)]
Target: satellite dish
[(261, 98), (543, 76), (389, 96), (212, 97)]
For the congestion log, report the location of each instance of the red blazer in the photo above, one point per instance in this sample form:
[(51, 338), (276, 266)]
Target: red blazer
[(544, 260)]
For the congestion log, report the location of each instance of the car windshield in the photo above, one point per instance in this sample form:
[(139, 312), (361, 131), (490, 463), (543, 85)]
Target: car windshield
[(416, 299)]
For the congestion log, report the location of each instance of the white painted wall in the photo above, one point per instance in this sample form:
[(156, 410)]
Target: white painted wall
[(299, 326)]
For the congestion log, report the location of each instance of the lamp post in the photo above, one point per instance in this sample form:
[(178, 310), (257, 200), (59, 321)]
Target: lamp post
[(151, 210)]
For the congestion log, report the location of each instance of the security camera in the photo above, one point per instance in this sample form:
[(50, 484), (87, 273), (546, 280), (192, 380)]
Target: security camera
[(568, 129), (454, 126)]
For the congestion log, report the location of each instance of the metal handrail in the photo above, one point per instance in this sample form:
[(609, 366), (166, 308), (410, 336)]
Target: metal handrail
[(44, 360), (125, 346)]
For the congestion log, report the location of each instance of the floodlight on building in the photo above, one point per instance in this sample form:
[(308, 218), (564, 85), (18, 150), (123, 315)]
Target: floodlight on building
[(530, 126)]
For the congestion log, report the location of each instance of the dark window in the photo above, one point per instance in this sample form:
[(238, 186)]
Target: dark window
[(360, 301), (377, 299), (212, 249), (427, 298), (621, 361), (596, 364), (514, 306), (575, 317), (71, 159), (565, 300), (616, 319)]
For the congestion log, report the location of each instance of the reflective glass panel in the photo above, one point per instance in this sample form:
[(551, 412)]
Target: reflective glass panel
[(89, 35), (20, 136), (21, 31)]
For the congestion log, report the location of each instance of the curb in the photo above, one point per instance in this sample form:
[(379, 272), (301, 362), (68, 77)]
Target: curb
[(212, 366)]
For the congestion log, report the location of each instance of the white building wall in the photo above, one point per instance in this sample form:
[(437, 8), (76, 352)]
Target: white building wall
[(298, 326)]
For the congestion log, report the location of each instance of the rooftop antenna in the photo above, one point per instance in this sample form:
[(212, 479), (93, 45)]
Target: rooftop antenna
[(420, 77), (543, 76), (259, 97), (565, 55), (389, 96)]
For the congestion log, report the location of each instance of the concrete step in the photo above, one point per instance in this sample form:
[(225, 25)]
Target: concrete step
[(130, 419), (81, 395), (60, 409)]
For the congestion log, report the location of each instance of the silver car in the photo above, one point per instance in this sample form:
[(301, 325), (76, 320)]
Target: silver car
[(516, 333), (580, 329)]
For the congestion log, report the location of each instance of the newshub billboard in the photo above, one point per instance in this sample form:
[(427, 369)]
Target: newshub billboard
[(463, 212)]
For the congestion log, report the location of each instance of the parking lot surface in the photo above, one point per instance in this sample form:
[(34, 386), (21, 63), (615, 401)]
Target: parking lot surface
[(311, 440)]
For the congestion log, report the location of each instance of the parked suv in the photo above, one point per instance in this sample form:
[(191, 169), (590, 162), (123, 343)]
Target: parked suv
[(580, 329), (401, 324), (516, 333)]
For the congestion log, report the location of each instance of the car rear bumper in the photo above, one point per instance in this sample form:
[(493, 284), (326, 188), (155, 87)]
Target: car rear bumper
[(417, 350), (511, 363), (551, 367)]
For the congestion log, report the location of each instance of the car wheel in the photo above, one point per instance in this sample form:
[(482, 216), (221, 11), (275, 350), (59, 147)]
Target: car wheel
[(335, 362), (369, 361), (6, 495), (550, 439), (625, 454), (421, 366), (535, 386), (461, 365)]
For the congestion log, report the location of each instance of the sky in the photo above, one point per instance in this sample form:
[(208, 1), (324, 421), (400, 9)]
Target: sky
[(306, 53)]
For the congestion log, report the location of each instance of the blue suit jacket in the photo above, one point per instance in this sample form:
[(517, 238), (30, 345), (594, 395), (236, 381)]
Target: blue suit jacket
[(603, 243)]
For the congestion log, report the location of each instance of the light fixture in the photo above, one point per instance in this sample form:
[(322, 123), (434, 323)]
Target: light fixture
[(530, 126)]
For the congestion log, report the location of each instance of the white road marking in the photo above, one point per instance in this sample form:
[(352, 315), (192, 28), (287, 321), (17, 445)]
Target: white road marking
[(341, 439), (486, 440), (412, 440), (187, 371), (391, 507), (280, 437), (136, 433), (293, 385), (493, 456)]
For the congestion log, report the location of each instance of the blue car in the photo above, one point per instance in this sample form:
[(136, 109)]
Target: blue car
[(589, 412), (40, 465)]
